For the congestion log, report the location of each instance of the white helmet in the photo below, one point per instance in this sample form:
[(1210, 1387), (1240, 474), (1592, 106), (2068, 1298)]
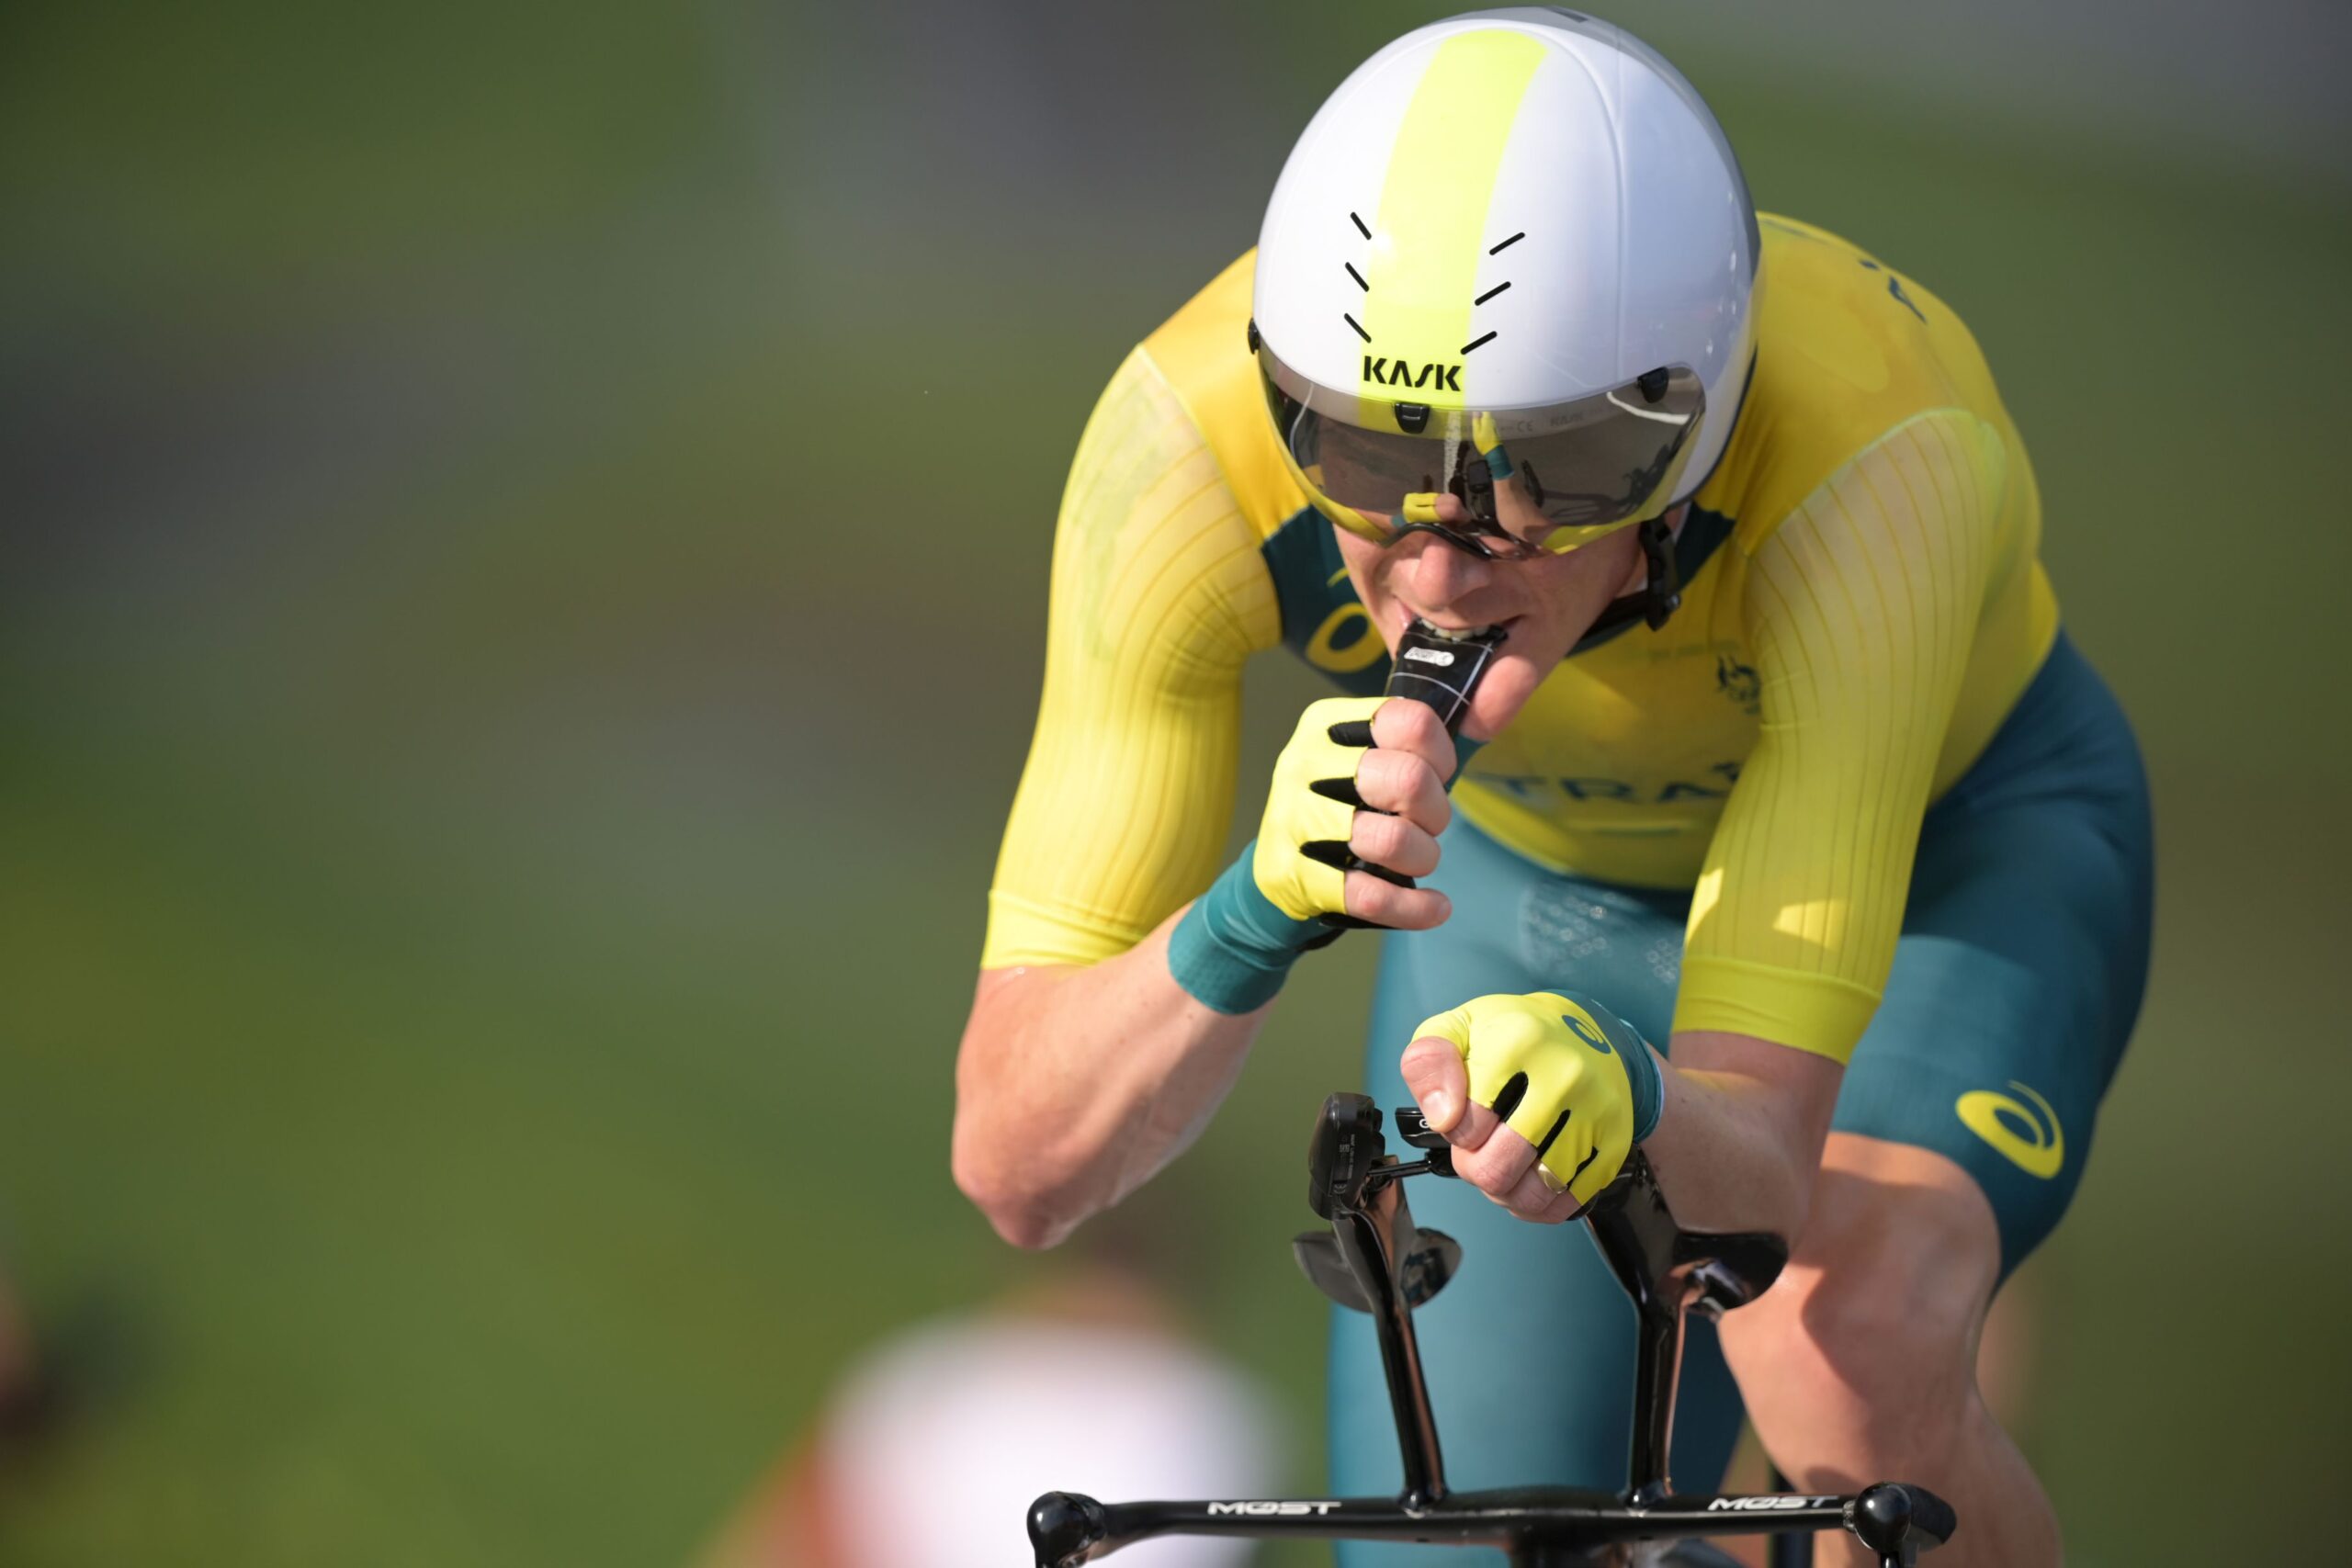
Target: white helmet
[(1505, 289)]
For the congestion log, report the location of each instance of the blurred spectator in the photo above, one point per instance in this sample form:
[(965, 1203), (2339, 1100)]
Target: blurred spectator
[(931, 1446)]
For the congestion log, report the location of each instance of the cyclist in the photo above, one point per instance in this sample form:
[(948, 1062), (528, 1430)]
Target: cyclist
[(1848, 829)]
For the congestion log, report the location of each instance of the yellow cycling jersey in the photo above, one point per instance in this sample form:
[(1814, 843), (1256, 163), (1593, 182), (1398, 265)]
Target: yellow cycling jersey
[(1862, 605)]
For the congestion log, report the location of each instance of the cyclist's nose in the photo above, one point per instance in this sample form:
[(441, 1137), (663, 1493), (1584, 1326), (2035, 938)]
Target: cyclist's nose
[(1434, 573)]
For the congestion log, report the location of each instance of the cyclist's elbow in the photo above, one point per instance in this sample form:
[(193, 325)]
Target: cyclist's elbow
[(1009, 1197), (1006, 1152), (1030, 1229), (1010, 1172)]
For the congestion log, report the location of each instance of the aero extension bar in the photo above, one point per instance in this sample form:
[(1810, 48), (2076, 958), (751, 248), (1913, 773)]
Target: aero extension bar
[(1375, 1259)]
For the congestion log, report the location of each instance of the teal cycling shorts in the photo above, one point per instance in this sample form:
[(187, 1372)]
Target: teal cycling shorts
[(2016, 984)]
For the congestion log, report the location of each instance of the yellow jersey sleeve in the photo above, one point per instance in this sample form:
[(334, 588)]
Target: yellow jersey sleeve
[(1160, 595), (1862, 609)]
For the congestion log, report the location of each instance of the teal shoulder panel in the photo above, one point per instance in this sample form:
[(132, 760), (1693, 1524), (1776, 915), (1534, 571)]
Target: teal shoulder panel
[(1323, 621)]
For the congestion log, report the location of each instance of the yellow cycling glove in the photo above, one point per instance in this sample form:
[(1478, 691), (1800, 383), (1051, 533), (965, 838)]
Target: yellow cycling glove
[(1563, 1072), (1288, 892), (1300, 859)]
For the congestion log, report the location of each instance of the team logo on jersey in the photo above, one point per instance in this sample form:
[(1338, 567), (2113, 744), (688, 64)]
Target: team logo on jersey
[(1739, 683), (2034, 1143), (1387, 372), (1345, 642)]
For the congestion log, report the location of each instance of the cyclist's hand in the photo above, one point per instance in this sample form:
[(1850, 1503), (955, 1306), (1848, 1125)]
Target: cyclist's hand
[(1364, 775), (1542, 1096)]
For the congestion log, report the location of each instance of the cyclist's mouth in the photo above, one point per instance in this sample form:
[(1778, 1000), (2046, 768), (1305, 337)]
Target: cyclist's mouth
[(1405, 616)]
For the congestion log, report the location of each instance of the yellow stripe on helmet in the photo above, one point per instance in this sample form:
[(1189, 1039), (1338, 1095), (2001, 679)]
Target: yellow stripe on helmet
[(1423, 268)]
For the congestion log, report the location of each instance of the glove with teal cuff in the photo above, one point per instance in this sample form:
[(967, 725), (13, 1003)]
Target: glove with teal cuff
[(1234, 947), (1563, 1072), (1288, 892)]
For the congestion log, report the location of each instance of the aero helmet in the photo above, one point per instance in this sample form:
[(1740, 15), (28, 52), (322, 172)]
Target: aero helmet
[(1505, 289)]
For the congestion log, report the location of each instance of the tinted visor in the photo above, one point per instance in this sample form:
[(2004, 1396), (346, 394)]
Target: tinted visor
[(1519, 479)]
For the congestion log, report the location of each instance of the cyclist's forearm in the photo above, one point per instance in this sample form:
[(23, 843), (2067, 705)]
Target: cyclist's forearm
[(1740, 1132), (1074, 1084)]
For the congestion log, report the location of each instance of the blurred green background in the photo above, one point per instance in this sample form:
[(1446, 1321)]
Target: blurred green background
[(525, 535)]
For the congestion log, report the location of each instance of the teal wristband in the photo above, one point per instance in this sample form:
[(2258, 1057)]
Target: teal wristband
[(1649, 1089), (1233, 949), (1641, 1067)]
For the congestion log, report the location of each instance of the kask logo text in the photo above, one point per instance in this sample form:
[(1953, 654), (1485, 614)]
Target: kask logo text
[(1404, 373)]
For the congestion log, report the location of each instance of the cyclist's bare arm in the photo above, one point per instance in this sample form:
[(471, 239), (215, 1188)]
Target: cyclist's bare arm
[(1075, 1083), (1740, 1134)]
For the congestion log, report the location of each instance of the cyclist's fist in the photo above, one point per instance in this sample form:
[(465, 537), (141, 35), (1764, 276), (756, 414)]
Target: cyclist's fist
[(1543, 1096), (1362, 776)]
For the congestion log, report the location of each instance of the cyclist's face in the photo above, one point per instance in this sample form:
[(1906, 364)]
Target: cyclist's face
[(1545, 602)]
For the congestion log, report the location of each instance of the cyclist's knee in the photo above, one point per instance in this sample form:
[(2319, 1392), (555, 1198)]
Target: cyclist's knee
[(1879, 1311)]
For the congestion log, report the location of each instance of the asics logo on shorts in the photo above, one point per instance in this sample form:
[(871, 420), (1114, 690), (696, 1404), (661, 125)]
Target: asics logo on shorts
[(2035, 1145)]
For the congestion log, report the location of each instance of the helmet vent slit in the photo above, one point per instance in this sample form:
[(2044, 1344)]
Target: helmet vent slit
[(1490, 293), (1498, 250), (1359, 277), (1474, 343), (1358, 224), (1359, 326)]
